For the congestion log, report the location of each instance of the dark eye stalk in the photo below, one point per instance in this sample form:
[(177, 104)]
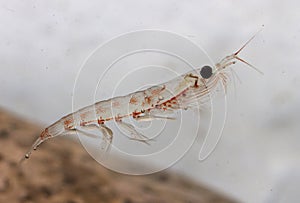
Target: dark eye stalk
[(206, 72)]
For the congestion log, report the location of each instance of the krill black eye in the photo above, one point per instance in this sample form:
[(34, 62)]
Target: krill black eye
[(206, 72)]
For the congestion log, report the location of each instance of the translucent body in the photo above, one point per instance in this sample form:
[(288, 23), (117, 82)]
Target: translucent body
[(157, 102)]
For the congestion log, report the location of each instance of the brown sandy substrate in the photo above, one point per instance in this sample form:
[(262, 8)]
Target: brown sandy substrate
[(68, 174)]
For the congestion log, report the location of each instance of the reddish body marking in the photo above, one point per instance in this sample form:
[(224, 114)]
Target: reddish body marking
[(133, 100)]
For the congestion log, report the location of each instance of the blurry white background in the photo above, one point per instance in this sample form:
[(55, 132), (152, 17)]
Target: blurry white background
[(44, 43)]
